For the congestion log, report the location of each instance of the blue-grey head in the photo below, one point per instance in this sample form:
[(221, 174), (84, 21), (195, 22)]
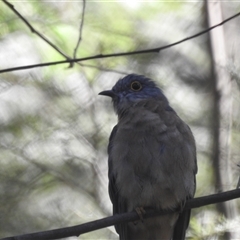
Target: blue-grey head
[(132, 89)]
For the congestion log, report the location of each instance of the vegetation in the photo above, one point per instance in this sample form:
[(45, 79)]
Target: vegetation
[(55, 128)]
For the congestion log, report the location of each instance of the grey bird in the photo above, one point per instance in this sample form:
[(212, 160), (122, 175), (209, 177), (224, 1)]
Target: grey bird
[(152, 160)]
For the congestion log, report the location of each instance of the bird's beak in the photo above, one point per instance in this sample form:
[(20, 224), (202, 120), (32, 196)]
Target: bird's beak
[(108, 93)]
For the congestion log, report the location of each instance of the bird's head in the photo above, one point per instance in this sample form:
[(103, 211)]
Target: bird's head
[(132, 89)]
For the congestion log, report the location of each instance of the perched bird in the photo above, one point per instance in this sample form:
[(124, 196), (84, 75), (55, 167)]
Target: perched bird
[(152, 160)]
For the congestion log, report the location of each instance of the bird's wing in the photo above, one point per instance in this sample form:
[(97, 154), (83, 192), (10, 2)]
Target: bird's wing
[(119, 205), (184, 217)]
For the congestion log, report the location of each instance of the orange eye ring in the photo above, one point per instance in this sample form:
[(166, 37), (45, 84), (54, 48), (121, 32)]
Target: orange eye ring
[(136, 86)]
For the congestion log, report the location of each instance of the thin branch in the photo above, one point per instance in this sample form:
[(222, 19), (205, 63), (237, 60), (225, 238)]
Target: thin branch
[(124, 217), (33, 30), (80, 31), (99, 56), (102, 69)]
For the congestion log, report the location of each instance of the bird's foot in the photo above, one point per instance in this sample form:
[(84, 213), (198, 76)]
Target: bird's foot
[(140, 211), (182, 205)]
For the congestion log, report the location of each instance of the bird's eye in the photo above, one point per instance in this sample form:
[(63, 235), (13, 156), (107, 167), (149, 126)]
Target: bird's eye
[(136, 86)]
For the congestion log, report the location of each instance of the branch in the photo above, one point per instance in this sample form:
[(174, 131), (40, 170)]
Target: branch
[(80, 31), (103, 69), (99, 56), (124, 217), (33, 30)]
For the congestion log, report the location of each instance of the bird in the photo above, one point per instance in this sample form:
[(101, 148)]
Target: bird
[(151, 160)]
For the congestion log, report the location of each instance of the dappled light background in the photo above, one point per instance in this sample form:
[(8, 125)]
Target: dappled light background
[(54, 126)]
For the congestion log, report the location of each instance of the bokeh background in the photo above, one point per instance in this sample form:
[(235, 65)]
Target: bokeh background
[(54, 127)]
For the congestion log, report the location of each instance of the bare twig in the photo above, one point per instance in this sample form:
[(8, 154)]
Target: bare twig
[(103, 69), (125, 217), (80, 31), (151, 50), (33, 30)]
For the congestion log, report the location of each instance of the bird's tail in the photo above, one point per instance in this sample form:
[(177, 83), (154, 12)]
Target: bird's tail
[(181, 225)]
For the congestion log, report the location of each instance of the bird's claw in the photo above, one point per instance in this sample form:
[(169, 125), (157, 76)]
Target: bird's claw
[(140, 211), (182, 205)]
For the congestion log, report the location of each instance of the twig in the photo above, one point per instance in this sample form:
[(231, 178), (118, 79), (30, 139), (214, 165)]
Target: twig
[(33, 30), (80, 32), (118, 54), (125, 217), (103, 69)]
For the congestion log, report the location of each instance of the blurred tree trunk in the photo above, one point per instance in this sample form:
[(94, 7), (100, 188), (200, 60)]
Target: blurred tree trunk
[(222, 111)]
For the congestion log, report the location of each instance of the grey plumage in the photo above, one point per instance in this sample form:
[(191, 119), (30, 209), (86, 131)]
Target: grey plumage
[(152, 160)]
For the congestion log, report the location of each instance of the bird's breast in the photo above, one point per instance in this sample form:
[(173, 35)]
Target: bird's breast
[(144, 164)]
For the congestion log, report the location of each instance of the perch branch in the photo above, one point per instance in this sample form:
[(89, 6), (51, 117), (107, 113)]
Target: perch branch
[(124, 217)]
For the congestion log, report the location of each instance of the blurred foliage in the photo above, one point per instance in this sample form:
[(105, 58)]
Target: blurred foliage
[(54, 127)]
